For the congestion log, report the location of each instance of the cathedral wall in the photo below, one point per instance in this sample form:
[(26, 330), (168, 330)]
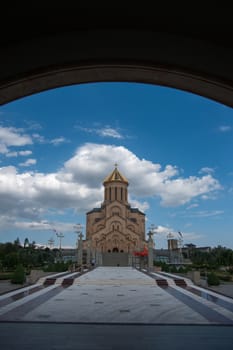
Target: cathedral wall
[(116, 226)]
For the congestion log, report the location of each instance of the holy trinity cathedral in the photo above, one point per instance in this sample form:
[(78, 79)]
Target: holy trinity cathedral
[(115, 227)]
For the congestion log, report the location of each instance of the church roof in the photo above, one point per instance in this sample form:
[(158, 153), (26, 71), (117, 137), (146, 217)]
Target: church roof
[(115, 176)]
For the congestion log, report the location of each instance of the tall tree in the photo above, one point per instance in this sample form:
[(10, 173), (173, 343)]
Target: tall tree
[(26, 243)]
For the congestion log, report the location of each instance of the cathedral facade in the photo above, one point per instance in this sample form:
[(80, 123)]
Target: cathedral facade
[(115, 227)]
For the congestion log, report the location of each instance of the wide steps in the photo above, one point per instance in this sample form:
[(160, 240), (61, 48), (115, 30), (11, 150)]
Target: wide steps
[(162, 282), (180, 282), (67, 282), (49, 281)]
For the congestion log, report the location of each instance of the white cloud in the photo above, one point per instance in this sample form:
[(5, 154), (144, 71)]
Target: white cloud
[(3, 148), (20, 153), (78, 185), (180, 191), (225, 128), (163, 232), (11, 154), (12, 137), (58, 141), (25, 153), (28, 162), (191, 236), (205, 213), (142, 206), (39, 138), (206, 170), (109, 132), (106, 131), (209, 196), (44, 225)]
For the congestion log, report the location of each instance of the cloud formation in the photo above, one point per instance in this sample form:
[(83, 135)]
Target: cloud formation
[(105, 131), (20, 153), (10, 136), (162, 232), (58, 141), (78, 184), (206, 170), (28, 162), (109, 132), (205, 213)]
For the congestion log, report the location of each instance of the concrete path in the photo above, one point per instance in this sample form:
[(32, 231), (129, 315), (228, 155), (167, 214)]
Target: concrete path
[(115, 308), (117, 295)]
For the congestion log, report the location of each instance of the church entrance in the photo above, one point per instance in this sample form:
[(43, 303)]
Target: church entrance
[(115, 258)]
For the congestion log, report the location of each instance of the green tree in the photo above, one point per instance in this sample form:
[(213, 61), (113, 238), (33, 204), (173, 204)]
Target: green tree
[(17, 242), (26, 243), (10, 260)]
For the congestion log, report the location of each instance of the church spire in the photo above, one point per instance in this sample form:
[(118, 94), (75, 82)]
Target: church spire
[(115, 176), (116, 187)]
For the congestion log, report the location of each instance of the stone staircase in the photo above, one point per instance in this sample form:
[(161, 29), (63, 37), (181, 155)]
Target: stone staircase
[(162, 282), (180, 282)]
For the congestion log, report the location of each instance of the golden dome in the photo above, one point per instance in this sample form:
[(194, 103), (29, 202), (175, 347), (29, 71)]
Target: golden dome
[(115, 176)]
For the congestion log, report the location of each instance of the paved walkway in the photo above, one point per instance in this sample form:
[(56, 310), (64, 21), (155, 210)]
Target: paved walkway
[(115, 308), (116, 295)]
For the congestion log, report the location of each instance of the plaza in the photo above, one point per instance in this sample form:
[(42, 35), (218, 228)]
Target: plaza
[(108, 303)]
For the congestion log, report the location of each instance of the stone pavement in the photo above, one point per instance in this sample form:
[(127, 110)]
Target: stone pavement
[(119, 297), (116, 295)]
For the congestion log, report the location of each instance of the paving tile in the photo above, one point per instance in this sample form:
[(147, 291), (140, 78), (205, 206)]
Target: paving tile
[(119, 295)]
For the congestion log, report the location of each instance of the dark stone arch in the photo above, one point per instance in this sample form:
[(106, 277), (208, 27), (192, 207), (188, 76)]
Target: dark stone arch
[(55, 46)]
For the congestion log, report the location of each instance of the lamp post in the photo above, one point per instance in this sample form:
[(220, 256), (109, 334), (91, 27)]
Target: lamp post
[(150, 247), (78, 231), (60, 236), (170, 247)]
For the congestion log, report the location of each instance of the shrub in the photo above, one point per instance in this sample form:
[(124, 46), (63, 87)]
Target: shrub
[(173, 269), (212, 279), (56, 267), (19, 275)]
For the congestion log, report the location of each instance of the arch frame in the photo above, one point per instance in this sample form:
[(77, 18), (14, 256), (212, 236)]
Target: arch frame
[(183, 62)]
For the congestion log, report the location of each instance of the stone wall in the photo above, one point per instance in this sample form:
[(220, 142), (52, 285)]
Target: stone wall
[(35, 275)]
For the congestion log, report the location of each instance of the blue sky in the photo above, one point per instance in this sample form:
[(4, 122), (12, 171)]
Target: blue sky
[(174, 147)]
